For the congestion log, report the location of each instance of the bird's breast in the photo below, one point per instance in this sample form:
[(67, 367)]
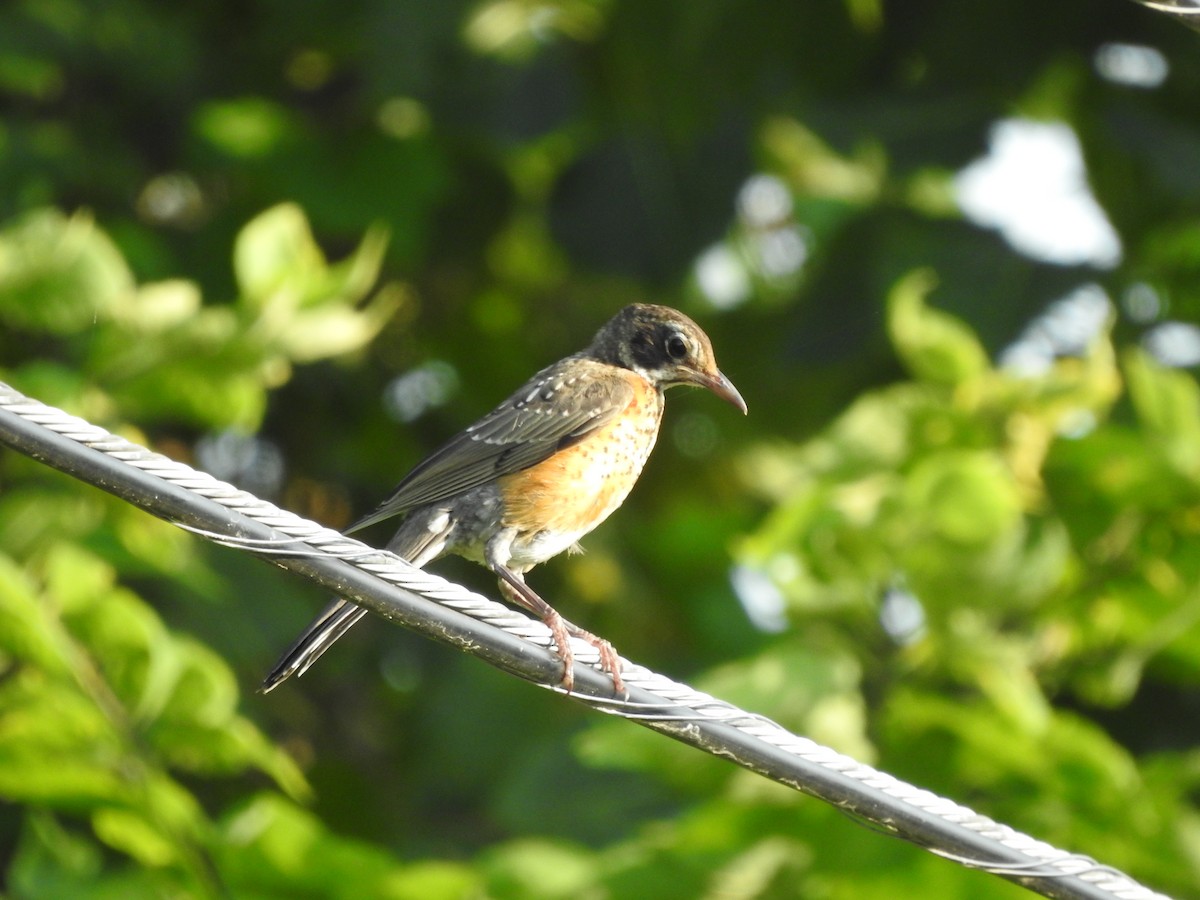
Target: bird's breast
[(555, 503)]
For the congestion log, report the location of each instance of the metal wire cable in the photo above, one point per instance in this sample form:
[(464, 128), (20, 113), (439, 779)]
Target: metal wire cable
[(1186, 12), (523, 646)]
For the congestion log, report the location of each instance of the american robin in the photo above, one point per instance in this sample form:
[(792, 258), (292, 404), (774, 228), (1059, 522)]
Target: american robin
[(540, 471)]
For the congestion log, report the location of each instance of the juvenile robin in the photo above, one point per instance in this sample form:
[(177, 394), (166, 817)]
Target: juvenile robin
[(539, 472)]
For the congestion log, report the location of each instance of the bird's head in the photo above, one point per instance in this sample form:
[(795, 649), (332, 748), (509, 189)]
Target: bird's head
[(665, 347)]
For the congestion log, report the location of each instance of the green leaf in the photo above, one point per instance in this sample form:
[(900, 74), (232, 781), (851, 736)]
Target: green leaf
[(1168, 402), (52, 861), (163, 305), (246, 127), (60, 275), (333, 330), (129, 832), (270, 846), (56, 746), (935, 346), (76, 578), (25, 633), (304, 307), (351, 280), (539, 868), (276, 254), (963, 497)]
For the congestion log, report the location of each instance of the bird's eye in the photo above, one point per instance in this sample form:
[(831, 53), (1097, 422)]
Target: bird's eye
[(677, 347)]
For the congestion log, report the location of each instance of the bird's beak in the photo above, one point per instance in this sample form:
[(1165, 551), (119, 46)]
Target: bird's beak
[(722, 387)]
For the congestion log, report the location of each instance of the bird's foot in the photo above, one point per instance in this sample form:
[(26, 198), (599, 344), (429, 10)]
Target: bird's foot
[(610, 662)]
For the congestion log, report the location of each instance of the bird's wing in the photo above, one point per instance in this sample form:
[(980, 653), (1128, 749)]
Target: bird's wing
[(556, 408)]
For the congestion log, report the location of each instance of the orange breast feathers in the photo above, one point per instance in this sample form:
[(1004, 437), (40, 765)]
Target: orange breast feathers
[(577, 488)]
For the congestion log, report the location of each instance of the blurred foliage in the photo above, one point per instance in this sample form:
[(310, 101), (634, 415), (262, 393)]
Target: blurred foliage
[(299, 244)]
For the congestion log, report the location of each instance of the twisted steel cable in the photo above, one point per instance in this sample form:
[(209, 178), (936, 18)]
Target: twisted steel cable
[(1186, 12), (512, 641)]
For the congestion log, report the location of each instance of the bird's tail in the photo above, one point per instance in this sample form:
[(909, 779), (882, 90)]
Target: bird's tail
[(417, 541), (335, 620)]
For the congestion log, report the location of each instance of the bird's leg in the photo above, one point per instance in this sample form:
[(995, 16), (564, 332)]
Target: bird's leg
[(513, 587), (527, 599)]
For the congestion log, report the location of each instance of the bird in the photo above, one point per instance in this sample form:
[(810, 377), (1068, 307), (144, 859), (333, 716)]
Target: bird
[(539, 472)]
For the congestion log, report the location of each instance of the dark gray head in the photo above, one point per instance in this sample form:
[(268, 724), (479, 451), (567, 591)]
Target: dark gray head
[(663, 346)]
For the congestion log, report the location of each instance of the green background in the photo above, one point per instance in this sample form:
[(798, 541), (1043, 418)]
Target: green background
[(298, 244)]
